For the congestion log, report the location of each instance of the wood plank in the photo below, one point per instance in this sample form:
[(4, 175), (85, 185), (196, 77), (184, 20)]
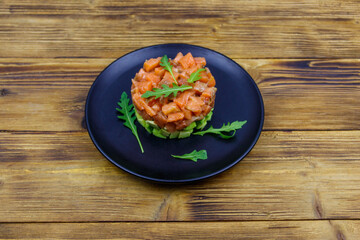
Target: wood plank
[(61, 177), (330, 230), (308, 94), (259, 8), (36, 93), (252, 29), (298, 94)]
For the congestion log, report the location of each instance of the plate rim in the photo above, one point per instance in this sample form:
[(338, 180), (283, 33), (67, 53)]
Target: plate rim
[(160, 180)]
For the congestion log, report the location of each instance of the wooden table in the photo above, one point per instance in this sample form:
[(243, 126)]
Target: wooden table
[(301, 181)]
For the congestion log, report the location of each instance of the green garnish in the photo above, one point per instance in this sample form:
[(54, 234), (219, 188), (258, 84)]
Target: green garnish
[(127, 112), (195, 76), (225, 128), (166, 91), (166, 64), (194, 155)]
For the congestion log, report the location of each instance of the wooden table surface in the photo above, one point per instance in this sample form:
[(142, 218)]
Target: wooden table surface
[(301, 181)]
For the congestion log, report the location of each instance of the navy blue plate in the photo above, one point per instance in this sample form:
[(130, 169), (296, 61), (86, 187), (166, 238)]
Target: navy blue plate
[(237, 98)]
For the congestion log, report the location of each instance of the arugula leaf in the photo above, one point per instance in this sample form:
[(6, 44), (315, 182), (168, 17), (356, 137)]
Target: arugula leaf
[(225, 128), (166, 64), (166, 91), (127, 112), (195, 76), (194, 155)]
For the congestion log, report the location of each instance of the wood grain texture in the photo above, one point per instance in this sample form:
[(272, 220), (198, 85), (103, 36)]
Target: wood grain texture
[(301, 181), (107, 29), (259, 8), (315, 230), (61, 177), (298, 94)]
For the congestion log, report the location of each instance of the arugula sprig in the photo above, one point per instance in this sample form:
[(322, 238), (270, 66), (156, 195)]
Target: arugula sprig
[(127, 112), (195, 76), (230, 127), (166, 64), (166, 91), (193, 156)]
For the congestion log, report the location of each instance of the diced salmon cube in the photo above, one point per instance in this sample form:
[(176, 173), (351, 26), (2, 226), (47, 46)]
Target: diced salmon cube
[(209, 92), (192, 69), (167, 81), (211, 82), (140, 104), (160, 71), (173, 117), (156, 107), (140, 76), (197, 100), (206, 109), (134, 88), (178, 57), (149, 110), (184, 75), (160, 119), (200, 60), (151, 101), (187, 114), (153, 78), (187, 61), (163, 100), (170, 108), (167, 75), (137, 101), (200, 86), (144, 86), (182, 81), (204, 77), (194, 104), (182, 98), (151, 64)]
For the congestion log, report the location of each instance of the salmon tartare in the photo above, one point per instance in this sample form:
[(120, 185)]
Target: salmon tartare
[(178, 114)]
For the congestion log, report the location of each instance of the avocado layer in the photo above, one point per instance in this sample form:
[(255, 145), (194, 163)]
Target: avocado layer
[(152, 128)]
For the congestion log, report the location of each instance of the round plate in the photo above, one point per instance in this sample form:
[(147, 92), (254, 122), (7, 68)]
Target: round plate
[(237, 98)]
